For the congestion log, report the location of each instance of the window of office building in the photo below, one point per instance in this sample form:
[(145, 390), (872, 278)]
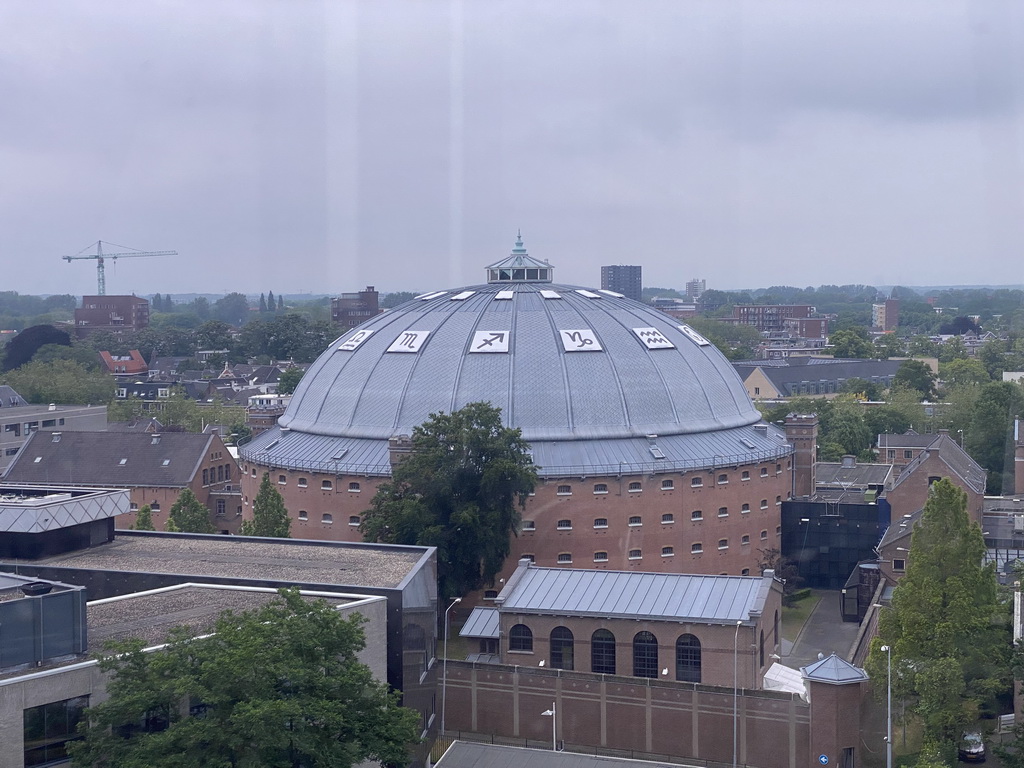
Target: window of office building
[(49, 728)]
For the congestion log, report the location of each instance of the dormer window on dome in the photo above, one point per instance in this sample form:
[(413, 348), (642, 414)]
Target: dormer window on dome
[(520, 267)]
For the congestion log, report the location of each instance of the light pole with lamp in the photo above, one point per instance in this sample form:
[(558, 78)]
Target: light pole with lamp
[(735, 691), (554, 734), (444, 664), (888, 727)]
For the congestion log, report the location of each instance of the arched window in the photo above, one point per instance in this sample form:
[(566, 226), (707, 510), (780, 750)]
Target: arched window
[(600, 488), (561, 648), (520, 638), (602, 652), (667, 485), (634, 487), (688, 659), (645, 655)]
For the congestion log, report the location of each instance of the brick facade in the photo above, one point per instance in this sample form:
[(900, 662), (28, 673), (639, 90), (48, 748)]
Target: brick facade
[(655, 717), (737, 505)]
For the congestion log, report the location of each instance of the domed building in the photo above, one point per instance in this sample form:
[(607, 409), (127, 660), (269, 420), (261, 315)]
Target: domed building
[(650, 453)]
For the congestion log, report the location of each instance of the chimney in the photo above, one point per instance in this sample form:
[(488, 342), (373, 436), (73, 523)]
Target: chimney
[(802, 434), (399, 446)]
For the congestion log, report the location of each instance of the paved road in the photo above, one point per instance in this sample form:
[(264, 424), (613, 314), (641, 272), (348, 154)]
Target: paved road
[(824, 632)]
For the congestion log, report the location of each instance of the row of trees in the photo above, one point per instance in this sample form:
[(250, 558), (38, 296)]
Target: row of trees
[(189, 515)]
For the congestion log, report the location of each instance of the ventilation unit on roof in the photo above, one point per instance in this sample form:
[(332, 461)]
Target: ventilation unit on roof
[(748, 443), (761, 428), (270, 445)]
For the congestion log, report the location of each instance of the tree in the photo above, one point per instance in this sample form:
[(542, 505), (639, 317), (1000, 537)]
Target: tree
[(213, 334), (61, 381), (232, 309), (460, 490), (269, 516), (784, 568), (889, 345), (914, 374), (271, 302), (22, 347), (144, 520), (988, 437), (263, 302), (958, 373), (949, 636), (865, 389), (289, 379), (281, 686), (188, 515), (280, 302), (851, 342)]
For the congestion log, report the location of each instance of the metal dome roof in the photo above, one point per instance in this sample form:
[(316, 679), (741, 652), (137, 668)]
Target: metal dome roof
[(563, 364)]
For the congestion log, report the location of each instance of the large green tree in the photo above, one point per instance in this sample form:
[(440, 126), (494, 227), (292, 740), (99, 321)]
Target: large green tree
[(289, 379), (989, 435), (948, 632), (60, 381), (188, 515), (851, 343), (460, 489), (915, 374), (269, 516), (279, 686), (22, 347)]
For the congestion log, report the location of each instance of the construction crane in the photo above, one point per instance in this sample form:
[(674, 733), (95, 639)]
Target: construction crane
[(101, 280)]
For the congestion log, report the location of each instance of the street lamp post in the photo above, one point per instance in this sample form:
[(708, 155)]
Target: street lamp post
[(888, 728), (444, 663), (554, 735), (735, 692)]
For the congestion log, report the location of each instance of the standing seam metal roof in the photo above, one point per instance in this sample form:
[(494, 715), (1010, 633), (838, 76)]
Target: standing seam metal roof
[(624, 390), (681, 597)]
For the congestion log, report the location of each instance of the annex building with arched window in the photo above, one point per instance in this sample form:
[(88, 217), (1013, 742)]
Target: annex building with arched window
[(681, 627)]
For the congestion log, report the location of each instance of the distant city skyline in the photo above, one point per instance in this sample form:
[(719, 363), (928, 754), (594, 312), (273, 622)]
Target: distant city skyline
[(328, 146)]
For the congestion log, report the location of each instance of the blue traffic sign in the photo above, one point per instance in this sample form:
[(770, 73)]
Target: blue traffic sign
[(823, 759)]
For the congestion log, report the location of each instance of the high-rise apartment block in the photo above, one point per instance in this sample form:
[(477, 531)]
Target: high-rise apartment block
[(623, 279), (885, 316), (694, 288)]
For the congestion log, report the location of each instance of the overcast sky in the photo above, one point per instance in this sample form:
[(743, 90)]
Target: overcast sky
[(323, 146)]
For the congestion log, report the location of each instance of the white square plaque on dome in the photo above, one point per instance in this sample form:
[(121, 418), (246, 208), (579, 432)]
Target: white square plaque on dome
[(653, 338), (581, 340), (695, 337), (490, 341), (355, 340), (409, 341)]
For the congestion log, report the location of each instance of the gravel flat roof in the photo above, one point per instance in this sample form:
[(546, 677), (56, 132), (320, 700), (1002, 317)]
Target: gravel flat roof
[(237, 557), (149, 617)]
